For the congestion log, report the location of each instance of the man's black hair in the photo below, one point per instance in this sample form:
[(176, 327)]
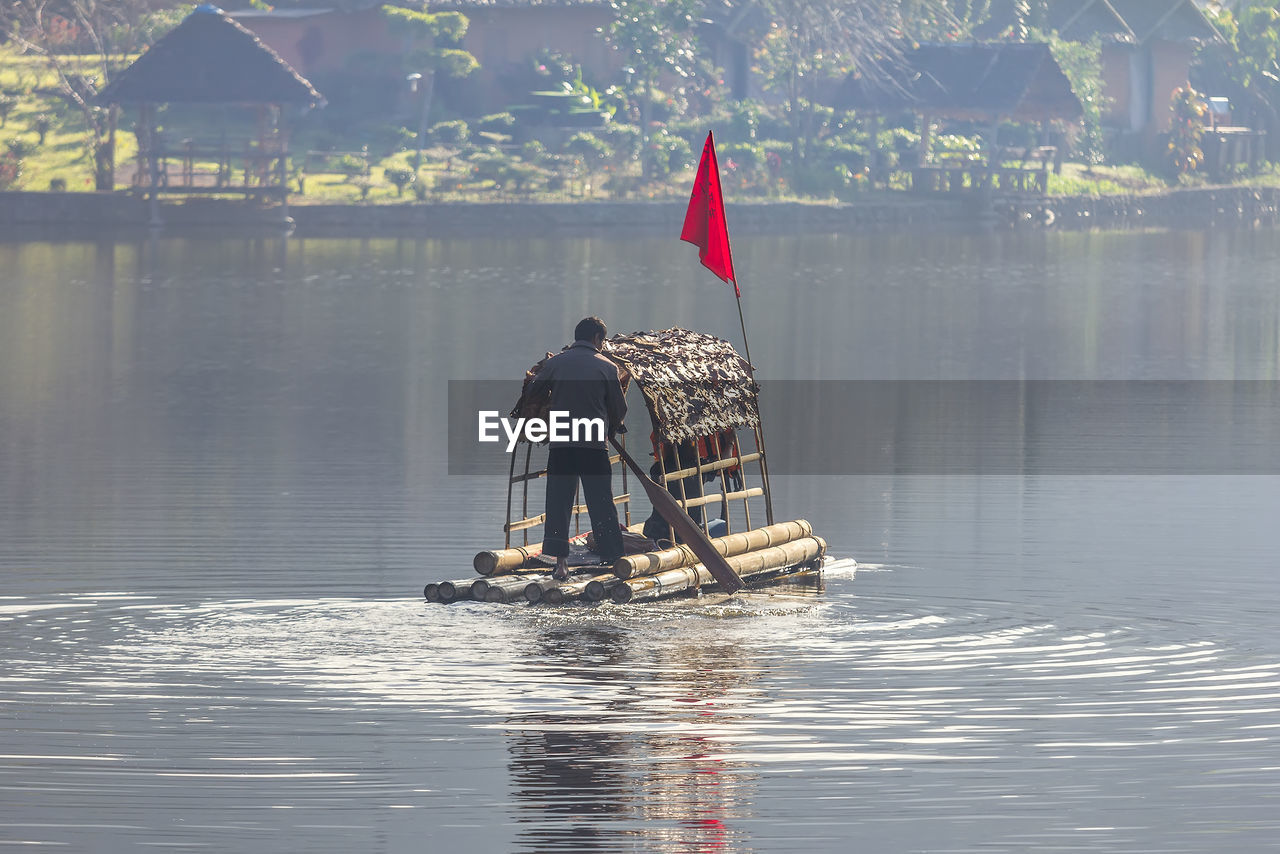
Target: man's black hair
[(588, 328)]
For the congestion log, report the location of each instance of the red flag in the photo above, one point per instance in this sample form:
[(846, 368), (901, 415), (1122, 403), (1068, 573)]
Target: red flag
[(704, 224)]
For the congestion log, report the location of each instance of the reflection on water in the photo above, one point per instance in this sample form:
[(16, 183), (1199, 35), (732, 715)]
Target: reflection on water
[(780, 722), (222, 484)]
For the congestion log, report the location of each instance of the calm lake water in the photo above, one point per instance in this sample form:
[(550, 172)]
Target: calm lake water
[(223, 484)]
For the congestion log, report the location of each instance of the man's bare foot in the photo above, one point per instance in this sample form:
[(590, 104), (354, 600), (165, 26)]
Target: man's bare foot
[(561, 571)]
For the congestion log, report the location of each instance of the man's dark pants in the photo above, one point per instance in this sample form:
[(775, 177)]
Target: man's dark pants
[(565, 465)]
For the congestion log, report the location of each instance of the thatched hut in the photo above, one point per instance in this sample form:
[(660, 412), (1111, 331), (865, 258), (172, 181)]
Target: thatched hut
[(209, 60), (978, 82)]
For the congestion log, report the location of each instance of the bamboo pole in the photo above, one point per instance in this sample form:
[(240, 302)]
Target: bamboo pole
[(755, 564), (753, 492), (630, 566), (506, 529), (454, 591), (577, 588)]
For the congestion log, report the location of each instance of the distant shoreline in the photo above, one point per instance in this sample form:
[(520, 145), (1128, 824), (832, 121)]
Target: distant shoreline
[(50, 214)]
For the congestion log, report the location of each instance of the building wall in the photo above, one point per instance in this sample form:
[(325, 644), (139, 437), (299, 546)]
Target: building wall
[(1170, 63), (506, 40), (324, 41), (503, 40), (1154, 70)]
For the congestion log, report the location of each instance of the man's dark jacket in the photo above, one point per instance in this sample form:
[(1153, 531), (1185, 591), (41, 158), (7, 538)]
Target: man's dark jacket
[(583, 383)]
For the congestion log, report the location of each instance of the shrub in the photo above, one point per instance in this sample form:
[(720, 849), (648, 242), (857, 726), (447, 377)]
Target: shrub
[(352, 165), (1185, 132), (7, 103), (399, 178), (19, 147), (364, 185), (533, 151), (10, 170), (833, 152), (744, 121), (451, 134), (57, 185), (41, 125), (622, 139), (667, 153), (495, 123), (589, 148), (422, 186)]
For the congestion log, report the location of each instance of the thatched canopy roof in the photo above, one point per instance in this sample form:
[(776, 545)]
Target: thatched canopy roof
[(209, 59), (970, 81), (693, 384)]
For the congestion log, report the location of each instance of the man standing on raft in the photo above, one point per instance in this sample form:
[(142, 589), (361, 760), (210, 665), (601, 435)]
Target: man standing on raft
[(583, 383)]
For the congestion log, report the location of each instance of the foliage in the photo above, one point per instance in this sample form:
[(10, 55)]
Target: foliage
[(1081, 62), (665, 153), (19, 147), (1247, 68), (654, 38), (7, 105), (623, 140), (399, 178), (10, 170), (432, 49), (451, 133), (41, 125), (954, 20), (811, 42), (495, 123), (1189, 111), (588, 148), (41, 31)]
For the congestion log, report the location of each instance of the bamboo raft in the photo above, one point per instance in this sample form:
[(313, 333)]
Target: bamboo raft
[(760, 556), (699, 394)]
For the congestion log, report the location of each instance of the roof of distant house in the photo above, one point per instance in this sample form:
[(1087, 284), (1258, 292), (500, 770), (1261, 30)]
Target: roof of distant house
[(1131, 21), (973, 80), (209, 59)]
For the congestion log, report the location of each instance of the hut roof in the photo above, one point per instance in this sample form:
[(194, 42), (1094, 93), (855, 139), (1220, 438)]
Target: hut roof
[(1166, 20), (693, 384), (971, 80), (209, 59)]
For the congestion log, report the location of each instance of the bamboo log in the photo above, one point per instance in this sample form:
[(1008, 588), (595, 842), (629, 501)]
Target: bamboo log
[(501, 561), (755, 564), (454, 591), (504, 589), (577, 588), (431, 592), (534, 591), (631, 566), (753, 492)]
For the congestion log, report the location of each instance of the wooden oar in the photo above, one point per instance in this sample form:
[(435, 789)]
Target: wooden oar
[(670, 510)]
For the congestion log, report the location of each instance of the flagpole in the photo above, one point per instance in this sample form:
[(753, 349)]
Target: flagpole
[(764, 457)]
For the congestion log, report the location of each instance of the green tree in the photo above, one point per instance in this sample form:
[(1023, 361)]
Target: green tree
[(812, 43), (41, 26), (432, 42), (655, 38), (1081, 62), (1247, 68)]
